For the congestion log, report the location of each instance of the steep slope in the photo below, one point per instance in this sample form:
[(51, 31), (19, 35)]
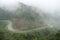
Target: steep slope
[(27, 18)]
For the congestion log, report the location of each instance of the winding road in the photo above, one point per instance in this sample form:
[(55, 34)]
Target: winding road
[(10, 28)]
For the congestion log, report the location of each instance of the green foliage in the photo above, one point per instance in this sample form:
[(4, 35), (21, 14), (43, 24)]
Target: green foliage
[(3, 24), (32, 35), (57, 36), (1, 35), (44, 34)]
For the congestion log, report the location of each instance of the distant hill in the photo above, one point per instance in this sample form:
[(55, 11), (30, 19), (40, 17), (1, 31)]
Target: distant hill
[(6, 14)]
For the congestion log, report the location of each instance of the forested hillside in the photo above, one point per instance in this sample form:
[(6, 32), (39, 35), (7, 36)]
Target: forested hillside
[(26, 18)]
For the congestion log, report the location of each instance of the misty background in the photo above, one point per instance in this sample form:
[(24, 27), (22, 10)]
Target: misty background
[(45, 5), (51, 8)]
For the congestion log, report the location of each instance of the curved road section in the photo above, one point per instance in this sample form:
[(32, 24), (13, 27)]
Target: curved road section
[(10, 28)]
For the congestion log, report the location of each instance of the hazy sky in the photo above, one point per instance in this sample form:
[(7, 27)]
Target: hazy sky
[(9, 4), (46, 5)]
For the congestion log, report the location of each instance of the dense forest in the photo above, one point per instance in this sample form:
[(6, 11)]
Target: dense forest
[(31, 15)]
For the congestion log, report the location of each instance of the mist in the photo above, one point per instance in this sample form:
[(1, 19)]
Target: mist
[(46, 5), (51, 7), (10, 5)]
